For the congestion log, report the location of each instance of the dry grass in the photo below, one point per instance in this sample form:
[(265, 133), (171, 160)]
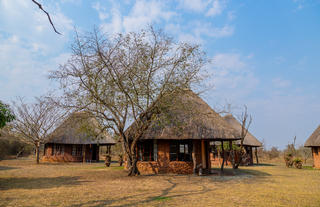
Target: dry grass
[(22, 183)]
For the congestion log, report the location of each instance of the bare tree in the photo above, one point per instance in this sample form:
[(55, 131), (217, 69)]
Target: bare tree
[(34, 122), (245, 119), (123, 78), (305, 152)]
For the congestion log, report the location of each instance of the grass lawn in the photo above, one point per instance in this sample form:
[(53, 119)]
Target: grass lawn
[(23, 183)]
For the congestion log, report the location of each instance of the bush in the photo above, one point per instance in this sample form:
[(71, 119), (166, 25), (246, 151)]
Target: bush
[(273, 153), (11, 147), (297, 163), (288, 158)]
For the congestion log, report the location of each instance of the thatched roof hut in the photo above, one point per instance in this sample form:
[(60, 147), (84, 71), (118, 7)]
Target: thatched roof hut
[(80, 128), (249, 140), (187, 116), (314, 139)]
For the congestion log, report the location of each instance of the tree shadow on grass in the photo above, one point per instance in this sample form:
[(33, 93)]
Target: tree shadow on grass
[(163, 196), (38, 182), (264, 164), (169, 192), (7, 168), (239, 171)]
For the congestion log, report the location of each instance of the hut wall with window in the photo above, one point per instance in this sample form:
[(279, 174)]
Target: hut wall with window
[(314, 142), (77, 139), (181, 144), (71, 152), (167, 156)]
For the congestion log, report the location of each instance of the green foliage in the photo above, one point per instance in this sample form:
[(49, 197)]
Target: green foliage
[(6, 115), (309, 168), (11, 147), (161, 198), (288, 158), (227, 147), (297, 162)]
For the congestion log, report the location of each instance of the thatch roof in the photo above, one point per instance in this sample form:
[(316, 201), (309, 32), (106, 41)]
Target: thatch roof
[(187, 116), (80, 128), (314, 139), (249, 140)]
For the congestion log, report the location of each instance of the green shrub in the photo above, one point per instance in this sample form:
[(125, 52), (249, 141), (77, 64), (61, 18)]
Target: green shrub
[(11, 147), (297, 162), (288, 158)]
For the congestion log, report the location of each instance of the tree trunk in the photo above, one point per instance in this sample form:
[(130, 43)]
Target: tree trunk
[(38, 152), (223, 156), (20, 152), (133, 170), (131, 158)]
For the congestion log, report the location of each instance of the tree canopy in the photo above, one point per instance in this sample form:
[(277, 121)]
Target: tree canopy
[(122, 78), (6, 114)]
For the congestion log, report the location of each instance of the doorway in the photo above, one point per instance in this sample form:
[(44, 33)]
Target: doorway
[(94, 152)]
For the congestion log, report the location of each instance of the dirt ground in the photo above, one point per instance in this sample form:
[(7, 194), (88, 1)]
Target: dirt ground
[(23, 183)]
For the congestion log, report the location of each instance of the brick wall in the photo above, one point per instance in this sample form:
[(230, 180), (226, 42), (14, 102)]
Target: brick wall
[(67, 155), (164, 165), (316, 157)]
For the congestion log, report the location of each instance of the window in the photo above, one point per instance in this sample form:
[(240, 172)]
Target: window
[(76, 150), (180, 151), (58, 149), (316, 150), (147, 150)]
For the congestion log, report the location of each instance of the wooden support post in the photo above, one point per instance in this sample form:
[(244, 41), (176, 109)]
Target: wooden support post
[(208, 155), (203, 155), (256, 153), (223, 155), (194, 160), (84, 153)]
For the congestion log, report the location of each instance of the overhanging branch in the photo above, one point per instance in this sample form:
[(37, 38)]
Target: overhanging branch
[(48, 15)]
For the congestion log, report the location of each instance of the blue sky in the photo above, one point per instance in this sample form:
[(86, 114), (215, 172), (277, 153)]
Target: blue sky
[(265, 54)]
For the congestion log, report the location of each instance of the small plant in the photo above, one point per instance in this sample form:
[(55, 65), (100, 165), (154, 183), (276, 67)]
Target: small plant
[(107, 162), (120, 160), (297, 163), (161, 198), (288, 158)]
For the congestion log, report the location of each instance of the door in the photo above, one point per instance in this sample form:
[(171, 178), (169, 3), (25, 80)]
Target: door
[(94, 152)]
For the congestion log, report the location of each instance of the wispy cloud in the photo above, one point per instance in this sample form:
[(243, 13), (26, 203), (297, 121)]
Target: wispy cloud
[(29, 47), (216, 8), (208, 7), (232, 77), (281, 83), (102, 11)]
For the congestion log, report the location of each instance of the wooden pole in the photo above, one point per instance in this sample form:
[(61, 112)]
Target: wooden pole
[(256, 153), (203, 155), (223, 156), (194, 160), (208, 155)]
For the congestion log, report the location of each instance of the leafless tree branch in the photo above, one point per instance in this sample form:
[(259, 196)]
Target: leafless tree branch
[(48, 15)]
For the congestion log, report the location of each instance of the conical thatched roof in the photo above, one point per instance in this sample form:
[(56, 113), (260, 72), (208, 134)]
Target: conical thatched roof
[(187, 116), (314, 139), (249, 140), (80, 128)]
